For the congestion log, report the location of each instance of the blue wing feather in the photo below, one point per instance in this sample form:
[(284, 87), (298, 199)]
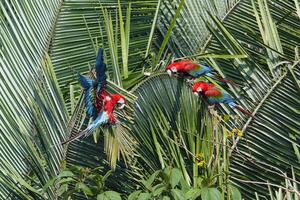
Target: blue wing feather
[(224, 97), (100, 70), (101, 119), (87, 84), (201, 70)]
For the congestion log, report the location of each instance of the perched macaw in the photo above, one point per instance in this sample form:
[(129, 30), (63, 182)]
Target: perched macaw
[(192, 69), (189, 68), (99, 103), (215, 95)]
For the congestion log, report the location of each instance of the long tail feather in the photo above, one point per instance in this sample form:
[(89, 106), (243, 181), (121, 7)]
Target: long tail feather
[(74, 138), (223, 80), (87, 132), (244, 111), (216, 76)]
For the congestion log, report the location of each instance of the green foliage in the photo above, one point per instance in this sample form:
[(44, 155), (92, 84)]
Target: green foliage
[(82, 180), (267, 48), (170, 184), (255, 43)]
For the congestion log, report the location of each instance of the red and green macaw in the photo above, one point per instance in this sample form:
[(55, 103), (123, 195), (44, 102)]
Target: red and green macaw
[(194, 70), (215, 95), (99, 103)]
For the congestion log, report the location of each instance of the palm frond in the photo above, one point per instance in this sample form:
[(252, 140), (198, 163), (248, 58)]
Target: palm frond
[(32, 114), (273, 96), (191, 33), (81, 27)]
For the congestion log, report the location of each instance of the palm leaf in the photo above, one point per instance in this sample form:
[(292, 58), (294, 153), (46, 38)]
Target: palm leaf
[(32, 114), (275, 123), (86, 21)]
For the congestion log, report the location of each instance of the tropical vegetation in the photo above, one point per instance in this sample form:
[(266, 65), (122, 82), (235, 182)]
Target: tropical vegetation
[(170, 144)]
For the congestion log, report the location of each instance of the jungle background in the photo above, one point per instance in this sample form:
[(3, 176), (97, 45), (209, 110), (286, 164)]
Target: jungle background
[(172, 146)]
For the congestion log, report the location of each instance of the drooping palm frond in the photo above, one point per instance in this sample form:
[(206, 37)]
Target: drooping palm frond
[(190, 33), (264, 31), (32, 114), (81, 29), (105, 148), (172, 127)]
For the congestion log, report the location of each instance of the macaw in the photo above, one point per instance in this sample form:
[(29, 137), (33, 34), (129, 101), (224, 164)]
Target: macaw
[(193, 70), (215, 95), (99, 103)]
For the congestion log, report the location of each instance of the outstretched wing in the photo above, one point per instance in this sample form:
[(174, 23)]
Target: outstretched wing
[(89, 94), (100, 70), (101, 119)]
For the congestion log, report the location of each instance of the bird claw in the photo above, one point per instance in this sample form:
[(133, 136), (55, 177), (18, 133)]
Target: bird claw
[(190, 82), (211, 107)]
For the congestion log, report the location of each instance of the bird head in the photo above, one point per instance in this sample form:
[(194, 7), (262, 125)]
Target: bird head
[(171, 69), (200, 87), (119, 100), (176, 67)]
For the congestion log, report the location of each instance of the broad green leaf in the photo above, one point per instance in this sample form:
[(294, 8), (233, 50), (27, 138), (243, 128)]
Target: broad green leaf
[(109, 195), (84, 188), (65, 174), (49, 183), (193, 193), (175, 177), (62, 189), (158, 189), (150, 180), (65, 180), (235, 193), (144, 196), (210, 194), (134, 195), (177, 194)]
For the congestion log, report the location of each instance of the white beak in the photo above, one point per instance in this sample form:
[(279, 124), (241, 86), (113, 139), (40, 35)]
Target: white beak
[(121, 106), (196, 93), (121, 101), (169, 72)]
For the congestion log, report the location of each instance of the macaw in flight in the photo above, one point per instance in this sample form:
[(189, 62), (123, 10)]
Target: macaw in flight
[(194, 70), (99, 103), (215, 95)]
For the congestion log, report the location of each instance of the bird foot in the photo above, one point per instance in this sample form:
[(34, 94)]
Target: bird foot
[(211, 107), (190, 82)]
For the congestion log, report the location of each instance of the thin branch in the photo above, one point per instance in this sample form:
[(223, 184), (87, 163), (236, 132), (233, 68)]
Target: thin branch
[(261, 103)]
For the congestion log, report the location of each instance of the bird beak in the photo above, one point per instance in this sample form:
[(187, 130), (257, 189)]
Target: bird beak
[(121, 106), (121, 103), (196, 93), (169, 72), (199, 89)]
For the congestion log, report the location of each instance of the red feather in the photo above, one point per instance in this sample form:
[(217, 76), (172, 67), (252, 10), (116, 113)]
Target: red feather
[(244, 111)]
